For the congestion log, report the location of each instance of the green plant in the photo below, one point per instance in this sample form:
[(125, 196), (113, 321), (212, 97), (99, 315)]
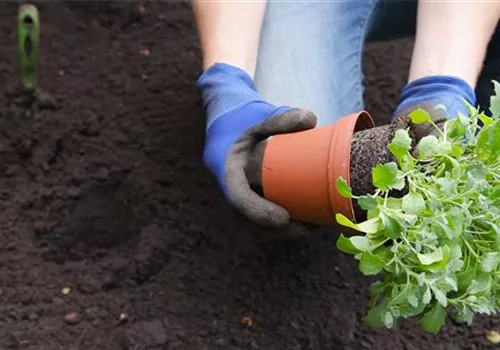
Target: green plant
[(437, 248), (28, 44)]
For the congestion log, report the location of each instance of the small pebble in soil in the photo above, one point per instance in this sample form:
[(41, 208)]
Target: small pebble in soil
[(141, 9), (247, 321), (122, 318), (493, 337), (74, 192), (65, 290), (72, 318), (144, 52)]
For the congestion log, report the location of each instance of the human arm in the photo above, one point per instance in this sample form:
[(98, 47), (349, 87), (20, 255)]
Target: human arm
[(229, 32), (451, 42), (238, 117), (452, 38)]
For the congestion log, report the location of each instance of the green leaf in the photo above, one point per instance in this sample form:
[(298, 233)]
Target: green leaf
[(385, 176), (400, 144), (490, 261), (465, 278), (413, 203), (370, 264), (440, 296), (485, 119), (394, 203), (456, 128), (488, 139), (375, 315), (388, 320), (494, 138), (376, 288), (412, 299), (479, 285), (344, 221), (447, 185), (343, 188), (441, 265), (372, 213), (392, 228), (419, 116), (443, 148), (465, 315), (449, 284), (361, 243), (426, 298), (345, 245), (495, 101), (434, 319), (427, 146), (495, 106), (496, 88), (367, 202), (431, 258), (456, 220), (369, 226), (456, 151), (471, 110)]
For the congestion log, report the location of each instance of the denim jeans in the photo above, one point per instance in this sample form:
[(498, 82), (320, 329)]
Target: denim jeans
[(310, 51)]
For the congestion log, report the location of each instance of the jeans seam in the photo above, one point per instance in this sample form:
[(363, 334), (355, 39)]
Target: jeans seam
[(361, 42)]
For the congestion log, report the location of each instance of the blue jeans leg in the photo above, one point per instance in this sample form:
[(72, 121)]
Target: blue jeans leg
[(311, 52), (310, 56)]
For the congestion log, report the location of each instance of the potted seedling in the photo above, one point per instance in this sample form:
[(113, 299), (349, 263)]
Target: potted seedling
[(432, 229), (28, 98)]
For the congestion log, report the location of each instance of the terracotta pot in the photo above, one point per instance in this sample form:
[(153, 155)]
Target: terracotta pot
[(300, 170)]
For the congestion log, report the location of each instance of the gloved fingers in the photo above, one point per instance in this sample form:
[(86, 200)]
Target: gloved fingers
[(248, 202), (293, 120), (417, 131)]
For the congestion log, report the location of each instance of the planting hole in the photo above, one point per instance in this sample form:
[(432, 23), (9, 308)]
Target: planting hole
[(28, 20)]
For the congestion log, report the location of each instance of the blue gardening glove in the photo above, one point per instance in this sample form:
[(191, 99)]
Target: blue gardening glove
[(238, 119), (426, 93)]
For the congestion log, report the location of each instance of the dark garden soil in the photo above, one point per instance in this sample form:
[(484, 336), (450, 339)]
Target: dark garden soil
[(107, 196)]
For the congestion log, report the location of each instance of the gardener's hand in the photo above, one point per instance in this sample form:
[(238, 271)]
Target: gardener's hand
[(432, 94), (237, 120)]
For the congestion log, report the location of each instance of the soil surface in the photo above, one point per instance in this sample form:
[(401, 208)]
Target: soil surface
[(114, 235)]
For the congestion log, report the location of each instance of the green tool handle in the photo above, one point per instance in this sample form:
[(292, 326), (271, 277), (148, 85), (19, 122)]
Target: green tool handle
[(28, 44)]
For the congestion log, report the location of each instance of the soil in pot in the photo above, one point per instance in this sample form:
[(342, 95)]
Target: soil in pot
[(369, 148)]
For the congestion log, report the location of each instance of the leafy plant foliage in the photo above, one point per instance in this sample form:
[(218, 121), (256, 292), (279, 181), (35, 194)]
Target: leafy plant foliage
[(436, 249)]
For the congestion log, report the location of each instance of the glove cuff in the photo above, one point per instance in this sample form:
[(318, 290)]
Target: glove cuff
[(440, 89), (224, 88)]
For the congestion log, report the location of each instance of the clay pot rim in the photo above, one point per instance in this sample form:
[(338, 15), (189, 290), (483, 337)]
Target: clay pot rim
[(340, 159)]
